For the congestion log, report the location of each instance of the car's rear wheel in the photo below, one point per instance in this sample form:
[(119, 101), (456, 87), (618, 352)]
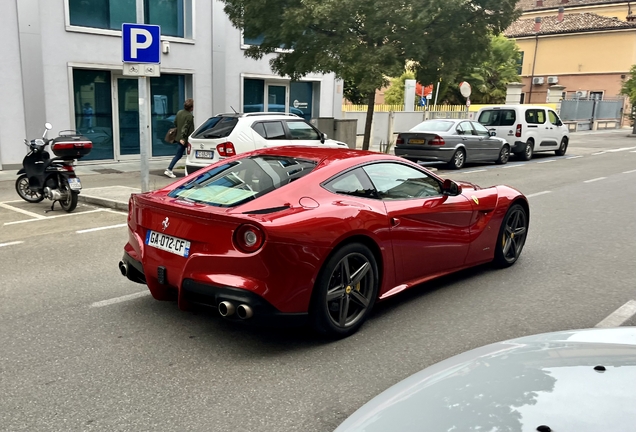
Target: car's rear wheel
[(504, 155), (562, 148), (512, 236), (345, 291), (528, 151), (458, 160)]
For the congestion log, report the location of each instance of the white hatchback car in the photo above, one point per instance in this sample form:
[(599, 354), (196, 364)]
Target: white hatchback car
[(226, 135), (528, 129)]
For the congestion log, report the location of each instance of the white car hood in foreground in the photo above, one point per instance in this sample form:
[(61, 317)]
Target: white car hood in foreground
[(517, 385)]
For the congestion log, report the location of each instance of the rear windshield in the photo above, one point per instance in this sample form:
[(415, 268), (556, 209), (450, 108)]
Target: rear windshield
[(216, 127), (243, 180), (433, 126), (498, 118)]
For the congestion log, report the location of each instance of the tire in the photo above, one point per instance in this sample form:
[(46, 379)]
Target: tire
[(68, 204), (504, 155), (528, 151), (512, 236), (562, 148), (25, 192), (458, 160), (349, 279)]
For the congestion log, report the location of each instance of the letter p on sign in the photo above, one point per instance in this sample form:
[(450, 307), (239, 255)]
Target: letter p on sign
[(141, 43)]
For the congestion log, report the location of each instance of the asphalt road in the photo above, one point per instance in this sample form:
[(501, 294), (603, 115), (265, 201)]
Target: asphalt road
[(72, 361)]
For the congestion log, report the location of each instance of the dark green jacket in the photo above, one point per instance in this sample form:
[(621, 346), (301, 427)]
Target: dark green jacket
[(184, 121)]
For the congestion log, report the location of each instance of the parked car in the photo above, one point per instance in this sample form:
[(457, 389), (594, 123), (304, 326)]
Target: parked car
[(226, 135), (314, 234), (527, 129), (579, 380), (453, 141)]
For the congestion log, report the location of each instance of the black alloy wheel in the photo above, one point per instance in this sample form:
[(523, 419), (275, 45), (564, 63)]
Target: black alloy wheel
[(69, 198), (562, 148), (504, 155), (458, 160), (345, 291), (25, 192), (512, 236)]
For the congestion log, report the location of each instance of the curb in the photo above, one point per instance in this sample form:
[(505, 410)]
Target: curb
[(103, 202)]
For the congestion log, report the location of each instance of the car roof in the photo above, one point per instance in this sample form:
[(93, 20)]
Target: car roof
[(499, 107), (273, 115)]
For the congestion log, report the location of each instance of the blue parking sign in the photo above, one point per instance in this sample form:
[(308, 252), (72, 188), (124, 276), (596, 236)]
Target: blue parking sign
[(141, 43)]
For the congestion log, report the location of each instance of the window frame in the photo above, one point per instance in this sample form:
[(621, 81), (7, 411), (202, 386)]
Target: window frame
[(189, 8), (301, 120), (472, 129), (485, 131), (536, 110), (363, 177), (285, 133), (439, 183)]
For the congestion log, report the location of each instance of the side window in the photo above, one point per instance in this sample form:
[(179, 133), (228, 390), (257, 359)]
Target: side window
[(274, 130), (489, 118), (299, 130), (354, 183), (480, 129), (465, 128), (394, 181), (508, 118), (554, 118), (259, 129), (535, 116)]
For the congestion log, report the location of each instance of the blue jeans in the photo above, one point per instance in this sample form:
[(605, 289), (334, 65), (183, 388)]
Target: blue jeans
[(179, 155)]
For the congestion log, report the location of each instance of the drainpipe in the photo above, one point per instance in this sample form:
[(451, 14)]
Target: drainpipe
[(537, 29)]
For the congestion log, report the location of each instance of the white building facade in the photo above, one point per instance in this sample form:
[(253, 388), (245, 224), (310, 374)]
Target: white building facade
[(62, 63)]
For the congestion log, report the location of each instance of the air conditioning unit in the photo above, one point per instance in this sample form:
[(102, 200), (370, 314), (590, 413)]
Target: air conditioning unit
[(553, 80), (581, 94), (538, 80)]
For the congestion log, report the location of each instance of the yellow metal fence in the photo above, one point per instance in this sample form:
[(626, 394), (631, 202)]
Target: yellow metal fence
[(445, 108)]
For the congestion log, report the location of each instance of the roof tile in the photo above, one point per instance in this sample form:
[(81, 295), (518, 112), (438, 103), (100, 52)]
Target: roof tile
[(572, 23)]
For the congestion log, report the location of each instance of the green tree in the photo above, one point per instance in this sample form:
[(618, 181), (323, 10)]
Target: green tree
[(490, 79), (629, 90), (365, 41), (352, 93), (394, 95)]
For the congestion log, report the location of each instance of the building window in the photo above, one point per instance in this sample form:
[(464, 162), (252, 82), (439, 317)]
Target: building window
[(168, 93), (301, 98), (253, 95), (94, 110), (520, 64), (171, 15), (104, 14)]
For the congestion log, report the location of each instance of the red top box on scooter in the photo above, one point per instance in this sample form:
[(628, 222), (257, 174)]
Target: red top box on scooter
[(71, 145)]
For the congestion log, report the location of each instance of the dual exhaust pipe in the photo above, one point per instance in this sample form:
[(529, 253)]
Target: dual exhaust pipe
[(243, 311)]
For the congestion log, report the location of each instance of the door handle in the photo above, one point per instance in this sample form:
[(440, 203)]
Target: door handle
[(395, 221)]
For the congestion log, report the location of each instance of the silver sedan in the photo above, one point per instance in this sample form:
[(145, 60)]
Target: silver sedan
[(452, 141)]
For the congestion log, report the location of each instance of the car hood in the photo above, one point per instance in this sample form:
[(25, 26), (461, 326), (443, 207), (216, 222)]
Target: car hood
[(330, 141), (517, 385)]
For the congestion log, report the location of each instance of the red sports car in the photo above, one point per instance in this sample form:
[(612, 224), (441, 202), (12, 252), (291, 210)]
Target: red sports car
[(314, 234)]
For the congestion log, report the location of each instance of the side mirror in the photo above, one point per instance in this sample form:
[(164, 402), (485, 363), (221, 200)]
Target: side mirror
[(48, 126), (492, 132), (323, 137), (451, 188)]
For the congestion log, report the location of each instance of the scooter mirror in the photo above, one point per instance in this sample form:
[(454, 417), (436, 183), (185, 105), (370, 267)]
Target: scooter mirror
[(48, 126)]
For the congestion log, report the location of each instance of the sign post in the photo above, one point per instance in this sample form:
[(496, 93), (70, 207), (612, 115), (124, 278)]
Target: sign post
[(141, 55)]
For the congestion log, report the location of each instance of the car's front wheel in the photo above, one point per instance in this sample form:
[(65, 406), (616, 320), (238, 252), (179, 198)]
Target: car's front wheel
[(512, 236), (345, 291), (562, 148)]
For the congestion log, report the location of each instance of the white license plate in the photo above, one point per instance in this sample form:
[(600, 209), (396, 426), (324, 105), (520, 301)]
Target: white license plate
[(203, 154), (168, 243), (74, 183)]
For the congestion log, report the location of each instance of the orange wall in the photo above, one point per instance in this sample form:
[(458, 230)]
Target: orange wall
[(610, 84)]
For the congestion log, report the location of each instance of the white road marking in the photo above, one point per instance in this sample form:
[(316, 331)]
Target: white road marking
[(11, 243), (53, 217), (120, 299), (115, 211), (538, 194), (619, 316), (599, 153), (101, 228), (548, 161), (595, 180), (633, 151), (474, 171), (28, 213), (629, 172), (573, 157), (515, 166), (621, 149)]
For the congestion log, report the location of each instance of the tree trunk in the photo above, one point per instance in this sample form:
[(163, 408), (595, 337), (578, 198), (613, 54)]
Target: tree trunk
[(369, 121)]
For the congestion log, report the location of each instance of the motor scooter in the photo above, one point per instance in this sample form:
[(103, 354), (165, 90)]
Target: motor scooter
[(53, 178)]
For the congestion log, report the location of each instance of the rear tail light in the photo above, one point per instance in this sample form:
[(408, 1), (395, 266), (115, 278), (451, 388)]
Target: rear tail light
[(130, 207), (518, 133), (189, 148), (437, 141), (226, 149), (249, 238), (399, 140)]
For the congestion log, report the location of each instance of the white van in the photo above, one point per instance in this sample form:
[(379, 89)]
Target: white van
[(527, 128)]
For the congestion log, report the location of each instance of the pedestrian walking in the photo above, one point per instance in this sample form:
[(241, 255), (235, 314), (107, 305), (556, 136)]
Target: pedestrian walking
[(184, 122)]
